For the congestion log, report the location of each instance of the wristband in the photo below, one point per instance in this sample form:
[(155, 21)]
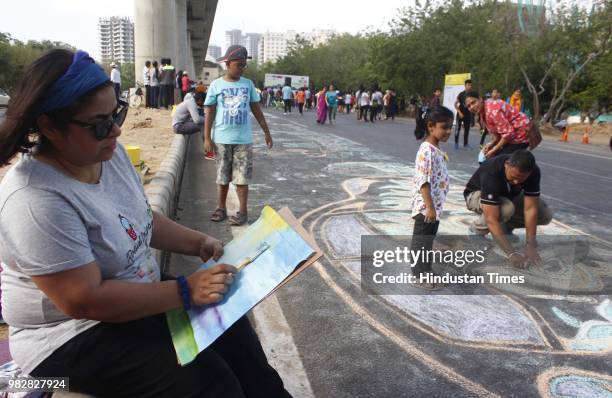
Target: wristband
[(184, 291)]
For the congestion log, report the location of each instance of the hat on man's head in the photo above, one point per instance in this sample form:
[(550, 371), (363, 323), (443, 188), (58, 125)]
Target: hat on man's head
[(234, 53)]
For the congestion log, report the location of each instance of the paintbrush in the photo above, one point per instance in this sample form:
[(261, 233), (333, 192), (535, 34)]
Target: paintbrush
[(260, 250)]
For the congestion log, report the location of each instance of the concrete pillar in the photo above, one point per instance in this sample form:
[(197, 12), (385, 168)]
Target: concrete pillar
[(189, 59), (155, 33), (182, 62)]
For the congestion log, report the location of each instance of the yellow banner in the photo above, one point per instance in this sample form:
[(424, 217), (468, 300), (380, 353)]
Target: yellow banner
[(456, 80)]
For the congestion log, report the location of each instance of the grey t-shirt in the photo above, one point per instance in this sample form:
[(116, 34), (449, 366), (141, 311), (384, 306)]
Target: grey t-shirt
[(187, 111), (50, 222)]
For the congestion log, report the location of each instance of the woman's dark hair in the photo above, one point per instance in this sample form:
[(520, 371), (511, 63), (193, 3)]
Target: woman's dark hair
[(472, 94), (19, 131), (425, 116)]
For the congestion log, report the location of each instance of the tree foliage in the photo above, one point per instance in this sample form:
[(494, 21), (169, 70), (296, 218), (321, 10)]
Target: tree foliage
[(15, 56), (562, 60)]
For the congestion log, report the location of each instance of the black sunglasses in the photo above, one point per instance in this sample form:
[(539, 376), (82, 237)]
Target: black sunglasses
[(241, 65), (102, 129)]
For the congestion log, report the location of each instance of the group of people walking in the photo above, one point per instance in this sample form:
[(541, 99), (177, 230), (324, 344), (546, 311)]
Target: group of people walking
[(369, 105)]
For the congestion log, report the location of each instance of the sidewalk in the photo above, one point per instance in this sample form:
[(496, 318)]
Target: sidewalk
[(197, 200)]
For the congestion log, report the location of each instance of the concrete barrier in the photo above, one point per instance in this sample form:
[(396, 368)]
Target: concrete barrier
[(163, 190)]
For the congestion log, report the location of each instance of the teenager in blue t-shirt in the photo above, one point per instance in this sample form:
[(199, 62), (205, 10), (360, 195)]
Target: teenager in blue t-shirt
[(228, 102)]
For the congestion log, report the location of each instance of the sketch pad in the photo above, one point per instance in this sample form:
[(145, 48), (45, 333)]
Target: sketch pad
[(291, 250)]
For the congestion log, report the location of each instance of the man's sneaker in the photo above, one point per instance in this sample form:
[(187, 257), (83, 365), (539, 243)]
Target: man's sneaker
[(285, 113), (468, 147), (456, 145)]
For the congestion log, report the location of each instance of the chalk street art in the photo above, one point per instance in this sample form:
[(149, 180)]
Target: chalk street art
[(570, 382), (559, 346)]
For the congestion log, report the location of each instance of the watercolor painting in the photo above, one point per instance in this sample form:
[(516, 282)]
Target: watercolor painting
[(272, 250)]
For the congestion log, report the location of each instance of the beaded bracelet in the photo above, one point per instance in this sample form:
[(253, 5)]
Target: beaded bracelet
[(184, 291)]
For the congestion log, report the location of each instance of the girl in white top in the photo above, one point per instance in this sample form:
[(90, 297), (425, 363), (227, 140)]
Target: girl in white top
[(364, 105), (348, 101), (431, 185)]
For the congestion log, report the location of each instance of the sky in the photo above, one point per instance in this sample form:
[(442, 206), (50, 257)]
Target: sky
[(75, 21)]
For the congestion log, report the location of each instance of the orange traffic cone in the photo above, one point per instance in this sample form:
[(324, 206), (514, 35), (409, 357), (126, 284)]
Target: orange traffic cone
[(585, 136), (565, 136)]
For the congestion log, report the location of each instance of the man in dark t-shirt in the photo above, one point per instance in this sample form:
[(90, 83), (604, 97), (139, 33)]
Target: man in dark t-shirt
[(505, 191), (464, 117)]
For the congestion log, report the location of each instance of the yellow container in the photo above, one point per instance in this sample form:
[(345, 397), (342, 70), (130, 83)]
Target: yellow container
[(134, 154)]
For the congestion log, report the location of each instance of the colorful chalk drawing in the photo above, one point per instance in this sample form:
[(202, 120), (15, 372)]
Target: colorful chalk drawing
[(379, 202), (592, 335), (531, 327), (194, 330), (564, 382)]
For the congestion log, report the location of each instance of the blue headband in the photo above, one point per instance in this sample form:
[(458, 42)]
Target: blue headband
[(82, 76)]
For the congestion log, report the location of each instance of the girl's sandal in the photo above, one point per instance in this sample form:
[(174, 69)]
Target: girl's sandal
[(238, 219), (218, 215)]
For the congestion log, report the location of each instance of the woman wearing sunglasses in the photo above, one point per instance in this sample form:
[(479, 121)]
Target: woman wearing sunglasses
[(81, 290)]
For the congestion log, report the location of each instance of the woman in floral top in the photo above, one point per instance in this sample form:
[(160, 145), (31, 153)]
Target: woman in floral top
[(431, 184), (509, 128)]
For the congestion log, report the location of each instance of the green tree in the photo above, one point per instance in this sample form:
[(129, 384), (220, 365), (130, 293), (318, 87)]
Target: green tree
[(15, 56), (128, 79)]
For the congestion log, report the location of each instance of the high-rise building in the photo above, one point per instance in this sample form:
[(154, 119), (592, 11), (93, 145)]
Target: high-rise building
[(116, 39), (275, 45), (214, 51), (232, 37), (251, 43), (319, 36)]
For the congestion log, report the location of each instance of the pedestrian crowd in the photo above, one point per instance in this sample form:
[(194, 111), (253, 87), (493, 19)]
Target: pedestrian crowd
[(369, 105)]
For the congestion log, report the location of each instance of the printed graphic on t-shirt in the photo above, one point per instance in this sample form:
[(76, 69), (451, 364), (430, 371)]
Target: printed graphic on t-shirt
[(234, 104), (129, 229), (147, 267), (138, 263)]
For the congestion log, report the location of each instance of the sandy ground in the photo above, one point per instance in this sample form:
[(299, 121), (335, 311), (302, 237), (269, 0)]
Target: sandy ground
[(151, 130)]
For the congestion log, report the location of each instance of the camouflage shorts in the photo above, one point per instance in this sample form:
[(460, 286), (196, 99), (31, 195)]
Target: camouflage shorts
[(234, 163)]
